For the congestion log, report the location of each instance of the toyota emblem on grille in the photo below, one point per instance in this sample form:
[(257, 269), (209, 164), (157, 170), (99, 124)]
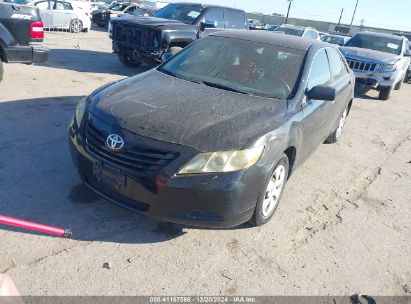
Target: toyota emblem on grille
[(115, 142)]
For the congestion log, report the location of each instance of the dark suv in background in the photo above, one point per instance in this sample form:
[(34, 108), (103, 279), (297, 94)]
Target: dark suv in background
[(146, 39)]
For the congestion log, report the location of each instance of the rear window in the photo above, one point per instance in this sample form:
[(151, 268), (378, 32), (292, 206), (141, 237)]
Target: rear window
[(234, 19)]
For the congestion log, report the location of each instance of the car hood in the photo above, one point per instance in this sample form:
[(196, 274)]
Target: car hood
[(158, 22), (166, 108), (369, 55)]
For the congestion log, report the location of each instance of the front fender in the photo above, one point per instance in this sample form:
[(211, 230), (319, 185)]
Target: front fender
[(175, 37)]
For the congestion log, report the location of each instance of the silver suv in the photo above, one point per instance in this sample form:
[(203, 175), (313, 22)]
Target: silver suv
[(379, 61), (305, 32)]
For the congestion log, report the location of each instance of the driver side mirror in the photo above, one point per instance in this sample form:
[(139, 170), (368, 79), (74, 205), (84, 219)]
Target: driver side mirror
[(322, 92), (166, 56), (207, 24), (407, 53)]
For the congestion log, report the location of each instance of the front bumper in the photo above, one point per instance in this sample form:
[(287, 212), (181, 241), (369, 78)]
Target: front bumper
[(207, 200), (375, 79), (152, 57)]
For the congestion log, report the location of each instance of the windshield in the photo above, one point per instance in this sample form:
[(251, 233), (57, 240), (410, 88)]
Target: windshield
[(289, 31), (181, 12), (333, 39), (117, 7), (140, 12), (372, 42), (248, 67)]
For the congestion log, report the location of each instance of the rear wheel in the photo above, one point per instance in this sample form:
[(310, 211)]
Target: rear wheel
[(76, 26), (271, 193), (385, 93), (333, 138), (127, 60)]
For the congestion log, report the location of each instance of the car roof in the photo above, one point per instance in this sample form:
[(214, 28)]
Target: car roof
[(207, 5), (298, 27), (289, 41), (381, 35)]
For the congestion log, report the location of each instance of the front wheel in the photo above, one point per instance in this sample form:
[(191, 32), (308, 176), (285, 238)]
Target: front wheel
[(333, 138), (127, 60), (385, 93), (76, 26), (271, 193)]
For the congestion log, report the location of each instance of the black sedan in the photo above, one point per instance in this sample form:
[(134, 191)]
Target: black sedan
[(210, 137)]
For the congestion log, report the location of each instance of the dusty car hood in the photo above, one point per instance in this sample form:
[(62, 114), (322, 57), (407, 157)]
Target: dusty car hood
[(369, 55), (165, 108), (157, 22)]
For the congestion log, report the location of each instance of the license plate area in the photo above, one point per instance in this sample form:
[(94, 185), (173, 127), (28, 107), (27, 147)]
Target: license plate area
[(109, 176)]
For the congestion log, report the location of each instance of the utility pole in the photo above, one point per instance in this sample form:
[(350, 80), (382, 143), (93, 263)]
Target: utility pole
[(339, 21), (353, 15), (288, 12)]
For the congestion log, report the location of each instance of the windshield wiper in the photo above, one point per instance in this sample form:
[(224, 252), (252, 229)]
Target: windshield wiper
[(169, 73), (223, 87)]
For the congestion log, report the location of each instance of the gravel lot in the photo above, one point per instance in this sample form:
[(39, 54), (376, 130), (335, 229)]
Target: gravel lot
[(343, 225)]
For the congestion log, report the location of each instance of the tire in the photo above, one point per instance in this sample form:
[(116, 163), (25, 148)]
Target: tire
[(335, 136), (1, 70), (76, 26), (265, 206), (385, 93), (127, 61), (175, 49), (399, 84)]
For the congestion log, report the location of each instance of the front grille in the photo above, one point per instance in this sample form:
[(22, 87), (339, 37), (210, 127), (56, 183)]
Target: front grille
[(132, 157), (137, 37), (358, 65)]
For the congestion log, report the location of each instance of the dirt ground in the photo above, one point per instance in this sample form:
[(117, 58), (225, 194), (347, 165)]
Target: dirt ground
[(343, 226)]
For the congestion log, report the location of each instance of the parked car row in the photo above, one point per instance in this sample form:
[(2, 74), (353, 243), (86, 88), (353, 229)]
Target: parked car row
[(102, 17), (211, 135)]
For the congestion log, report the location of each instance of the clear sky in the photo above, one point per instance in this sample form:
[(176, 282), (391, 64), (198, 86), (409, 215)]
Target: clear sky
[(394, 14)]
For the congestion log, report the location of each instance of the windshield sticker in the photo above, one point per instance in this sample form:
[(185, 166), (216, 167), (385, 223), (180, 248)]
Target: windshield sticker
[(393, 46), (193, 14)]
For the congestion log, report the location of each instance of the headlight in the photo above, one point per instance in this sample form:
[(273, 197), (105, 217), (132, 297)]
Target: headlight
[(80, 110), (226, 161), (388, 67)]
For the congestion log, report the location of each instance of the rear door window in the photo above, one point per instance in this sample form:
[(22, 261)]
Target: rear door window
[(337, 66), (320, 70), (63, 6), (234, 19), (216, 15)]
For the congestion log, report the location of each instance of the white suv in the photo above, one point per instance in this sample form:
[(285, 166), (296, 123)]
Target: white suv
[(305, 32)]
